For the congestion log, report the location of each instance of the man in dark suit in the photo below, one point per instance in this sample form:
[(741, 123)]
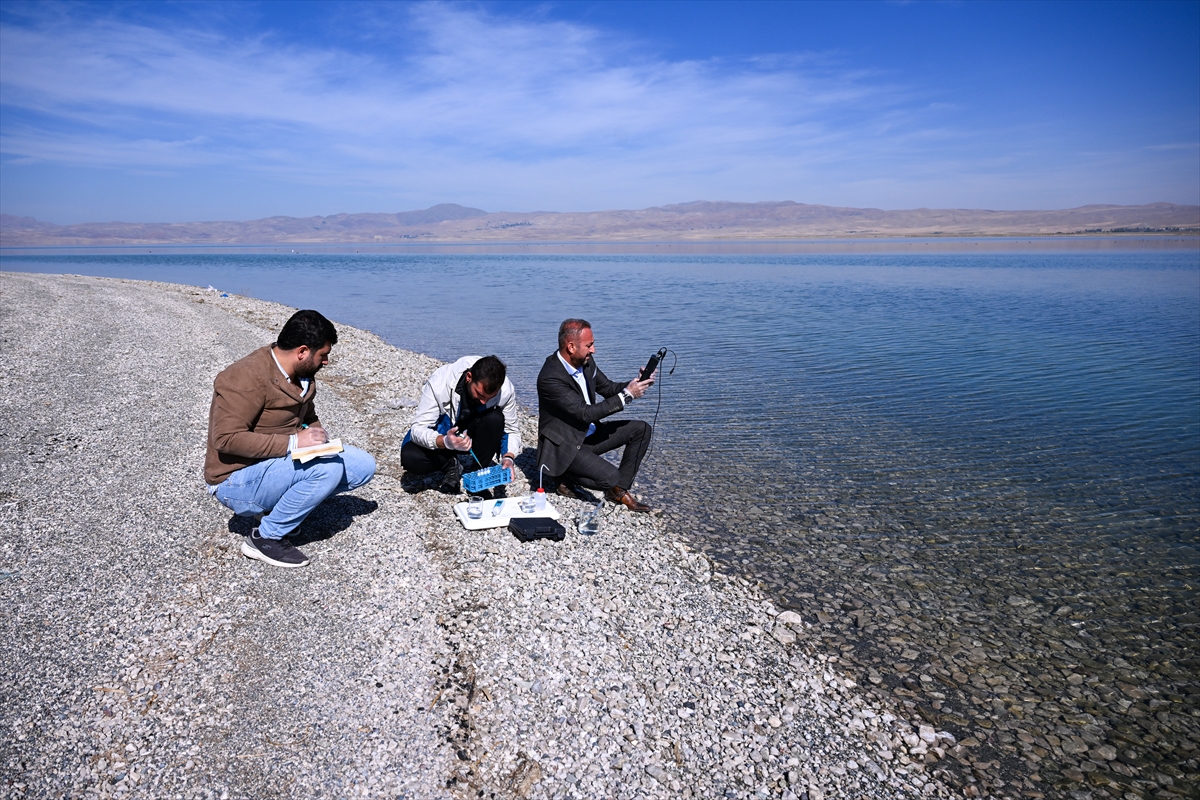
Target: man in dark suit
[(574, 397)]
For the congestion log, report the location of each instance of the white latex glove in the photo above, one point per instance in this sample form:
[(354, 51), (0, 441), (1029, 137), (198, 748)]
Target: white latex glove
[(455, 442)]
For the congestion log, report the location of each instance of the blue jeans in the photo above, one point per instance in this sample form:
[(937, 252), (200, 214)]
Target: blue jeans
[(288, 491)]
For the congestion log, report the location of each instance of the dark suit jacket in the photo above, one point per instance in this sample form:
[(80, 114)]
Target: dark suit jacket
[(563, 416)]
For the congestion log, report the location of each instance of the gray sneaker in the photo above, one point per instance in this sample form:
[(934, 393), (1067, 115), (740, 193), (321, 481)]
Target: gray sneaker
[(277, 552)]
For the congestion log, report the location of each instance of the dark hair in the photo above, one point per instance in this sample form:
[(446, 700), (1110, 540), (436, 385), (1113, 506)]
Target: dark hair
[(307, 328), (569, 329), (490, 372)]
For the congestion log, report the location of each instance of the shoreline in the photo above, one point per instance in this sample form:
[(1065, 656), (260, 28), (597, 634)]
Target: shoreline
[(417, 659), (820, 245)]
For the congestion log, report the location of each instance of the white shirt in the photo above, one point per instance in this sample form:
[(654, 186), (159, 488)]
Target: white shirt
[(577, 374)]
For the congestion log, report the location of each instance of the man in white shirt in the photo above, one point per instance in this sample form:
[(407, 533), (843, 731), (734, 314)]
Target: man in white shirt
[(467, 407)]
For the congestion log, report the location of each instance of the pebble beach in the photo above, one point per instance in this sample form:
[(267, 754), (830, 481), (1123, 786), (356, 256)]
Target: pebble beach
[(145, 657)]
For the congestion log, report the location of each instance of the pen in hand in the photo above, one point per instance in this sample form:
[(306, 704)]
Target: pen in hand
[(315, 436)]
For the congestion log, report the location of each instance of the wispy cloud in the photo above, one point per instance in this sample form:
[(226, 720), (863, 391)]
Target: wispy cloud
[(469, 99), (450, 102)]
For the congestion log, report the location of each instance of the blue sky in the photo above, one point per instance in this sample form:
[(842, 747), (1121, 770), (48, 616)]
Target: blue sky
[(207, 111)]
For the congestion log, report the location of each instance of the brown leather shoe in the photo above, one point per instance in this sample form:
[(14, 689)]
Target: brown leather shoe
[(565, 490), (619, 495)]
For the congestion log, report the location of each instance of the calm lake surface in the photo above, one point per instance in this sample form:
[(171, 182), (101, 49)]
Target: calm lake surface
[(982, 470)]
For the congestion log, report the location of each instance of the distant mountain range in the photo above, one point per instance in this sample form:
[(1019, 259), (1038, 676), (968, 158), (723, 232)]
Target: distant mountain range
[(698, 221)]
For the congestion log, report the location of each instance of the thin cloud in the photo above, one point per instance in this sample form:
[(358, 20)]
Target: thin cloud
[(445, 102), (472, 86), (1191, 146)]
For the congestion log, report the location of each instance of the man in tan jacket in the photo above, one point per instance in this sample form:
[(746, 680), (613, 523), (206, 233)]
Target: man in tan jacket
[(262, 409)]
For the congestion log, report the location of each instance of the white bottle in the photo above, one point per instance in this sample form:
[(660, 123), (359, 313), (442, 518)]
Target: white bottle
[(539, 501)]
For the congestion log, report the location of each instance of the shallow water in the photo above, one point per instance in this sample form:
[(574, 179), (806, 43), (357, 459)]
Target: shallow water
[(983, 471)]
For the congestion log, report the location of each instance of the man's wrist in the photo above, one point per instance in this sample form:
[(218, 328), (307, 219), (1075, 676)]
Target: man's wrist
[(626, 396)]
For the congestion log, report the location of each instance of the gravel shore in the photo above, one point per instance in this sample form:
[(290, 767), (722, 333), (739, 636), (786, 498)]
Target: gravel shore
[(145, 657)]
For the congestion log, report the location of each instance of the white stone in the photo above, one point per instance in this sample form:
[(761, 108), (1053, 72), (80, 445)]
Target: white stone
[(789, 618)]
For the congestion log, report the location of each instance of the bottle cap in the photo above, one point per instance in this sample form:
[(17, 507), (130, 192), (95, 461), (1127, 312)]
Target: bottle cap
[(541, 490)]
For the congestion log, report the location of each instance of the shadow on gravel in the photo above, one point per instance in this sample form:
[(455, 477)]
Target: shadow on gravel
[(414, 484), (331, 517), (241, 526)]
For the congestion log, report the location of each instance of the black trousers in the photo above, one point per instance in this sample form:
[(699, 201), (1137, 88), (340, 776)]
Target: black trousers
[(590, 470), (486, 431)]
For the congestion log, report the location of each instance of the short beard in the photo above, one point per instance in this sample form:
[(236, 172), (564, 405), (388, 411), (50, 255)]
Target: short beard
[(307, 368)]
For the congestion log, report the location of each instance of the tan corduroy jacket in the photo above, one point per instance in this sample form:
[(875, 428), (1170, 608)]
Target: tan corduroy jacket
[(255, 410)]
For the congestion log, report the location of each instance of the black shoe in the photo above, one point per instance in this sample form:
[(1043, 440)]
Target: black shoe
[(451, 478), (277, 552)]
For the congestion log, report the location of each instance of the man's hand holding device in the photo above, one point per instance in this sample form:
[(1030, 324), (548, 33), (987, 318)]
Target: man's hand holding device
[(646, 376)]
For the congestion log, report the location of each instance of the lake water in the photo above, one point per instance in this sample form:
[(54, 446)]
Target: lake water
[(981, 470)]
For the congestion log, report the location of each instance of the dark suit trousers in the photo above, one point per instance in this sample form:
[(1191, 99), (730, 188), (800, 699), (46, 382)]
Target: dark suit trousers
[(590, 470), (486, 431)]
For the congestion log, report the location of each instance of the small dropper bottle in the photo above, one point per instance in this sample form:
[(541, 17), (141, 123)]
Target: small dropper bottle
[(540, 496)]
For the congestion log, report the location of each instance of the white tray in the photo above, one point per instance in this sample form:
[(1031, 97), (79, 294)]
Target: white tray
[(509, 510)]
